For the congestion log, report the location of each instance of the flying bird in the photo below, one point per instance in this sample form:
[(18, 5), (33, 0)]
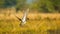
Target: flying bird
[(24, 18)]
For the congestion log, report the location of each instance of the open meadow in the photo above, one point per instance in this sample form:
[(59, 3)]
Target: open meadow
[(38, 23), (29, 16)]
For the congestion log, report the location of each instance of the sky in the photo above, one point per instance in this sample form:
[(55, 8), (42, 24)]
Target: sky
[(29, 1)]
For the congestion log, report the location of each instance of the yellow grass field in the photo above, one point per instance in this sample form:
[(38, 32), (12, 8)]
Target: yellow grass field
[(38, 23)]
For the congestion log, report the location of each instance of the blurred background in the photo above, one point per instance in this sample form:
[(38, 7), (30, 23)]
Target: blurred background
[(45, 6), (43, 16)]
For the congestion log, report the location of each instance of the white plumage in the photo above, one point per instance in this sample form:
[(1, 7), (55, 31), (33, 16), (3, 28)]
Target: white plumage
[(24, 17)]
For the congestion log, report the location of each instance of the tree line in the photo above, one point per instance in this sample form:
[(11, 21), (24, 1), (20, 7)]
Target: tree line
[(51, 6)]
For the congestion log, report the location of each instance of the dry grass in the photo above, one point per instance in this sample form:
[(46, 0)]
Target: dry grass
[(38, 23)]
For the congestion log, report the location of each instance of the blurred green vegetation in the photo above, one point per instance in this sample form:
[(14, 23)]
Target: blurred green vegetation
[(51, 6)]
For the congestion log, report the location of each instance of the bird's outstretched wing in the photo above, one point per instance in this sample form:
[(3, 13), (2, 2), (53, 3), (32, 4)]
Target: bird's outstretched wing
[(18, 18)]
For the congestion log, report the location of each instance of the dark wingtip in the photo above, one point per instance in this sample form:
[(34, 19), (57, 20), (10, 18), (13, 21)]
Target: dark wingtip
[(18, 18), (27, 18)]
